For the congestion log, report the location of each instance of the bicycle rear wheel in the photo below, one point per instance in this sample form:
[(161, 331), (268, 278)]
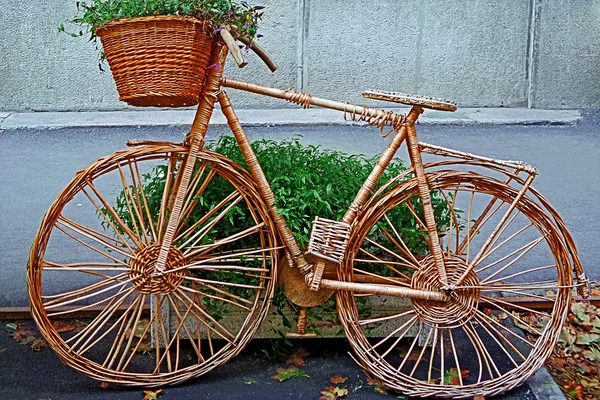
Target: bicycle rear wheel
[(96, 253), (493, 334)]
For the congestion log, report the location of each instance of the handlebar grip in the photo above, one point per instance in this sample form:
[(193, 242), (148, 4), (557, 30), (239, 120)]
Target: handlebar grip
[(233, 47), (260, 52)]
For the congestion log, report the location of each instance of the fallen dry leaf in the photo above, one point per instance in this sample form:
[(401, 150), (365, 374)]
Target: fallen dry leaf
[(284, 374), (297, 357), (336, 380), (478, 397), (105, 385), (451, 376), (152, 394), (573, 390), (38, 344), (376, 383), (332, 393)]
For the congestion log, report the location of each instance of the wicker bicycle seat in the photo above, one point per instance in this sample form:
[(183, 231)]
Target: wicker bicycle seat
[(427, 102)]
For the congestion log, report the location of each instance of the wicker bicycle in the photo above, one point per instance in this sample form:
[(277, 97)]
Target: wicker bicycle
[(160, 282)]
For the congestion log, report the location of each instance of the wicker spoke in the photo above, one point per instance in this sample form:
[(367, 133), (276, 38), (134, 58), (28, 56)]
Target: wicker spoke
[(78, 240), (122, 226), (495, 335), (134, 211), (165, 205), (57, 298), (201, 250), (181, 320), (422, 226), (454, 224), (142, 194), (105, 315), (442, 355), (90, 268), (468, 225), (134, 321), (516, 274), (525, 249), (455, 355), (174, 339), (224, 300), (233, 199), (487, 358), (99, 324), (228, 257), (400, 244), (406, 326), (83, 267), (88, 306), (235, 268), (192, 195), (479, 224), (503, 328), (359, 274), (432, 355), (53, 304), (160, 330), (197, 299), (493, 300), (209, 281), (507, 240), (477, 352), (221, 331), (423, 349), (389, 252), (116, 230), (524, 292), (410, 349), (140, 340), (93, 235)]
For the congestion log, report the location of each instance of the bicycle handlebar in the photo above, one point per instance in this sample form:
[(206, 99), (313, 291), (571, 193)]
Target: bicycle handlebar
[(230, 36)]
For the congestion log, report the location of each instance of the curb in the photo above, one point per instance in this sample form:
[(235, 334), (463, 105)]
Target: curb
[(544, 387), (278, 117)]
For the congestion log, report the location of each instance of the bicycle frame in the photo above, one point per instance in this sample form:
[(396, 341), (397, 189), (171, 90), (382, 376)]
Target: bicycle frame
[(404, 130)]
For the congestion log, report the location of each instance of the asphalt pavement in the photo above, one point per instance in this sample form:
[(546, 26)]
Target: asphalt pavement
[(29, 375)]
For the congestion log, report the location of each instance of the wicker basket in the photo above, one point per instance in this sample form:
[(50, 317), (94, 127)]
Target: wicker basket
[(158, 61)]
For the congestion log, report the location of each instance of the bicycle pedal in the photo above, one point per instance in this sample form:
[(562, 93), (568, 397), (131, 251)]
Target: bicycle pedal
[(294, 335)]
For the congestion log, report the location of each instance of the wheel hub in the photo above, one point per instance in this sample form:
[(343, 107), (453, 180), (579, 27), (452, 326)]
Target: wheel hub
[(143, 271), (463, 303)]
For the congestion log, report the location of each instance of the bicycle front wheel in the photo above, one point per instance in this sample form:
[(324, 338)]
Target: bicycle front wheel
[(502, 320), (96, 253)]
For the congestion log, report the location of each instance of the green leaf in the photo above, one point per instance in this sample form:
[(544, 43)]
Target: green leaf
[(587, 338), (289, 373), (579, 309)]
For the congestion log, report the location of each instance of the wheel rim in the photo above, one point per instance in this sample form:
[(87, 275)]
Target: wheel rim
[(97, 249), (475, 330)]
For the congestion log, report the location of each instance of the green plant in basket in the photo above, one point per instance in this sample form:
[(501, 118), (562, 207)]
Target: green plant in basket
[(93, 14)]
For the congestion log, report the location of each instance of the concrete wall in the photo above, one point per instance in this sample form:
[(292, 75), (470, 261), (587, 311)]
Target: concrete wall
[(516, 53)]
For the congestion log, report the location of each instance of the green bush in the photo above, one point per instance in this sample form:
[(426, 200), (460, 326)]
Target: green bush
[(307, 180)]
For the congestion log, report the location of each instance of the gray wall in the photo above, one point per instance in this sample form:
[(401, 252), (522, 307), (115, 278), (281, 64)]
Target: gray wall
[(488, 53)]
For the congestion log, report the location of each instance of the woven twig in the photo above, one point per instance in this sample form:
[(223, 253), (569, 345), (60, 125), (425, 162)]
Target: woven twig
[(140, 279), (158, 61), (410, 99), (457, 314)]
